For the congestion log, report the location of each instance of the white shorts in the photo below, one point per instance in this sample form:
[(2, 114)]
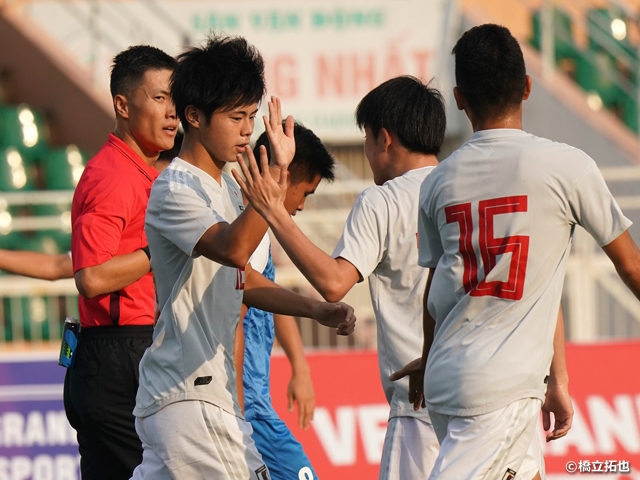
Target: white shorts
[(492, 446), (410, 449), (194, 439)]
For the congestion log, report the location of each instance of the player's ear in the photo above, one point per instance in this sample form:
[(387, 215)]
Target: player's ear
[(385, 138), (121, 105), (461, 102), (193, 116), (527, 88)]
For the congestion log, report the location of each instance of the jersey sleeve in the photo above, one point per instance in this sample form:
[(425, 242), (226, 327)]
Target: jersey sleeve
[(260, 256), (594, 208), (97, 231), (429, 242), (364, 237), (184, 216)]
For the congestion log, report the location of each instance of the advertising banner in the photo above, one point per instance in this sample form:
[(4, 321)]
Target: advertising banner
[(321, 56), (36, 441), (347, 433)]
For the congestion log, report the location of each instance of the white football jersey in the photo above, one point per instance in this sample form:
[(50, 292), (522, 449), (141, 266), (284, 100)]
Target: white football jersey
[(191, 357), (379, 239), (497, 218)]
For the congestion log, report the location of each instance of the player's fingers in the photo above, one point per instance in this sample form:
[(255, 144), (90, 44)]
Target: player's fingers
[(546, 420), (305, 414), (418, 402), (349, 326), (240, 181), (278, 112), (343, 330), (412, 366), (560, 430), (399, 374), (273, 113), (348, 309), (284, 178), (290, 401), (264, 162), (245, 171), (267, 126), (289, 126), (253, 164)]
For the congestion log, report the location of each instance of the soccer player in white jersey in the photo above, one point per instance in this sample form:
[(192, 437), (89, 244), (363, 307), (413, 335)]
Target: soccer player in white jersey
[(495, 228), (201, 238), (404, 122)]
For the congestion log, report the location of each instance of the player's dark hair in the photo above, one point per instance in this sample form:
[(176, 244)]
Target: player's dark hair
[(224, 73), (408, 108), (490, 70), (130, 65), (311, 158)]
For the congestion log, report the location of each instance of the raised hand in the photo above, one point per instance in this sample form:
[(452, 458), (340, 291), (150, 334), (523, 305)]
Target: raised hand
[(415, 372), (265, 194), (335, 315), (281, 140)]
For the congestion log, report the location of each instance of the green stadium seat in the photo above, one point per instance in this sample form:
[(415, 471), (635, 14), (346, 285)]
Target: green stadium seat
[(61, 168), (24, 129), (596, 72), (563, 34), (47, 241), (10, 240), (16, 171), (600, 28), (629, 111)]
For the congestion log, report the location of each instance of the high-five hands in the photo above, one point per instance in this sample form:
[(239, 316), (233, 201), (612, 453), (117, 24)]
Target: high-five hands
[(260, 189), (281, 140)]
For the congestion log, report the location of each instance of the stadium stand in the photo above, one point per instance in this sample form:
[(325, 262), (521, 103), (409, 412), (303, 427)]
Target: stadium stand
[(30, 166)]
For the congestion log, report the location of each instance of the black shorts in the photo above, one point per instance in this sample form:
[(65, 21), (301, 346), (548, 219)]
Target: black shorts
[(99, 397)]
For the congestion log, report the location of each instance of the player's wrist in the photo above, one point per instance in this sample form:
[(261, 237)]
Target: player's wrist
[(277, 217), (300, 367), (558, 383)]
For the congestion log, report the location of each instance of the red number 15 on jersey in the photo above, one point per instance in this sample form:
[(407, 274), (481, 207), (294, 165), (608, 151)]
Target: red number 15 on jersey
[(491, 247)]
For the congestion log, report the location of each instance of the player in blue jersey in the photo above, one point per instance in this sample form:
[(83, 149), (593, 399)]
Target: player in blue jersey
[(282, 453)]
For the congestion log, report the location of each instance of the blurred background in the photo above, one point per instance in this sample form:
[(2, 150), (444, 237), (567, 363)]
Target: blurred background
[(322, 57)]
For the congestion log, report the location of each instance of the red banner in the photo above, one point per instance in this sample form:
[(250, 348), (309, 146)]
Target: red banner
[(346, 437)]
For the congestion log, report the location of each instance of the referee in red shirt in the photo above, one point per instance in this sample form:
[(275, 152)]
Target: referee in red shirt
[(111, 265)]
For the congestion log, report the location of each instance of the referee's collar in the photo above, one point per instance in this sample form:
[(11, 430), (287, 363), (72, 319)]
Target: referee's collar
[(147, 170)]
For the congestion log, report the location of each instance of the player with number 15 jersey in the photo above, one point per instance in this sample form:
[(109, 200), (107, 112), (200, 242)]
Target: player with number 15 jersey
[(497, 218)]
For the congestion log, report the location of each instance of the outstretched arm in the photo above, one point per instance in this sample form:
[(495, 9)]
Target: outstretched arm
[(36, 264), (300, 387), (557, 400), (262, 293), (232, 244)]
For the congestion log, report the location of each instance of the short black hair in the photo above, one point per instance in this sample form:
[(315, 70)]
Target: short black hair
[(408, 108), (130, 65), (311, 158), (224, 73), (490, 70)]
